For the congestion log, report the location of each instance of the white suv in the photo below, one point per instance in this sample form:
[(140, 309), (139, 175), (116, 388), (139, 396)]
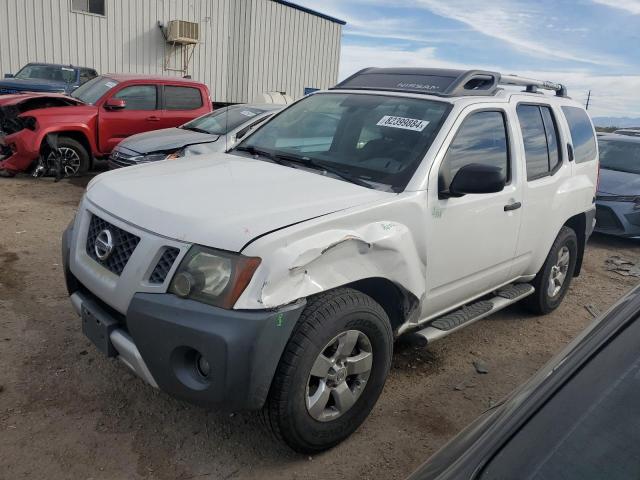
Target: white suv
[(277, 276)]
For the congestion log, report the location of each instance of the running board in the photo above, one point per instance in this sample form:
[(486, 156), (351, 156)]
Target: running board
[(449, 323)]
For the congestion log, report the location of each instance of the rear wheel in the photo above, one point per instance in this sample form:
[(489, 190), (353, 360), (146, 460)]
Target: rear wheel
[(553, 279), (73, 156), (331, 372)]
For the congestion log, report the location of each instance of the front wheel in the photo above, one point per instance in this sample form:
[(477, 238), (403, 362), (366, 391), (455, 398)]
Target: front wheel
[(72, 155), (332, 371), (553, 279)]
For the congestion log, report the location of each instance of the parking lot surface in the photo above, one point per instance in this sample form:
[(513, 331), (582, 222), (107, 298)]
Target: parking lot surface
[(68, 412)]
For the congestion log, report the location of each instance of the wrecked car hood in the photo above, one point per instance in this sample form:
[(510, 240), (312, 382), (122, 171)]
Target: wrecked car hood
[(18, 98), (165, 139), (222, 200), (12, 106)]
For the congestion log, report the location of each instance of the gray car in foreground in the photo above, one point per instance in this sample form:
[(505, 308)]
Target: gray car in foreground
[(618, 196), (214, 132), (577, 418)]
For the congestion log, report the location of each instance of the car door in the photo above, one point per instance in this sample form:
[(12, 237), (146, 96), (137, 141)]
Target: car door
[(181, 104), (140, 113), (471, 240), (547, 169)]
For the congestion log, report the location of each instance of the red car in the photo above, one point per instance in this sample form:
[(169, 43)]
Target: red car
[(93, 119)]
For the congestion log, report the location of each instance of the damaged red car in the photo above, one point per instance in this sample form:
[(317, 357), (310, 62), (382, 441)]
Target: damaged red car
[(87, 124)]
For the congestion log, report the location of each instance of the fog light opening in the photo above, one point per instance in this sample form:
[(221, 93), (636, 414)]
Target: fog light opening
[(202, 365)]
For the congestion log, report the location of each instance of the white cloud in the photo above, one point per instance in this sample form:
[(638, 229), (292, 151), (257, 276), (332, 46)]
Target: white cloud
[(631, 6), (515, 23)]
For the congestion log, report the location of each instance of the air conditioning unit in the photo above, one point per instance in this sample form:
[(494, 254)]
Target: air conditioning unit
[(182, 32)]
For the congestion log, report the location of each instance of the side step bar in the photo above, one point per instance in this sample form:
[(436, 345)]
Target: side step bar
[(449, 323)]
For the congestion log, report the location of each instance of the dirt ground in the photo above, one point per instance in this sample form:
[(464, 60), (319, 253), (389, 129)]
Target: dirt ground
[(68, 412)]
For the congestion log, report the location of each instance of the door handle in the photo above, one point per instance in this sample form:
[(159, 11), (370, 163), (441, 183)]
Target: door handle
[(153, 118), (512, 206)]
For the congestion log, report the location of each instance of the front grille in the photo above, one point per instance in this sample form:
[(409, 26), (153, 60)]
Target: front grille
[(124, 243), (606, 219), (119, 159), (160, 272)]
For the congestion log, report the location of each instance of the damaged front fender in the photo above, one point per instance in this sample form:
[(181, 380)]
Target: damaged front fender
[(304, 265)]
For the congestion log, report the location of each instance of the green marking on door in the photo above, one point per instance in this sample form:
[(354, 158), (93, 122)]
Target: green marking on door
[(279, 320)]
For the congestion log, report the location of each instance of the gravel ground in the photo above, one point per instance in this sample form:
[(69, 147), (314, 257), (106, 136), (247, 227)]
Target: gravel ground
[(68, 412)]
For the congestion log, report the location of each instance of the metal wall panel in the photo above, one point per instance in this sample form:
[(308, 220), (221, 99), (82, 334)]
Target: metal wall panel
[(246, 46)]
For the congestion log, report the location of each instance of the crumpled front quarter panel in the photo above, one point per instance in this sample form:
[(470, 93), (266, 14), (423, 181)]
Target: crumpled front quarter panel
[(384, 240)]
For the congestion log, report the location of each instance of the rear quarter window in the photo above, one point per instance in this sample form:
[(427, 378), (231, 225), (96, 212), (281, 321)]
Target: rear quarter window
[(584, 142), (182, 98)]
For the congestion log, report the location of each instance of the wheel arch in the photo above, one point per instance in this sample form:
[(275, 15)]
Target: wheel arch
[(76, 135), (578, 223), (397, 302)]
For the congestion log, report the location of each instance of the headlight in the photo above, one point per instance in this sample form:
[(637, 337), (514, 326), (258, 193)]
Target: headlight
[(153, 157), (213, 276), (174, 155)]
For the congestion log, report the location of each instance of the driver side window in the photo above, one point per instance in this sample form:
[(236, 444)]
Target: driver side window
[(139, 97), (482, 138)]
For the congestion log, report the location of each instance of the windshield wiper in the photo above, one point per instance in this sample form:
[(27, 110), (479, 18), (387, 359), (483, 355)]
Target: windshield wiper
[(262, 153), (322, 166), (196, 129), (292, 160)]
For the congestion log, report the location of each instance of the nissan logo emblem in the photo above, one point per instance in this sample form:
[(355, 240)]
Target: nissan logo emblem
[(103, 245)]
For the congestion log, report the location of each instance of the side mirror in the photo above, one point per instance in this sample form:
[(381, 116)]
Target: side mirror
[(477, 178), (115, 104), (8, 75)]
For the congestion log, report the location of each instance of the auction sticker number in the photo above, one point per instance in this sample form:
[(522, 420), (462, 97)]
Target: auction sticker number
[(402, 122)]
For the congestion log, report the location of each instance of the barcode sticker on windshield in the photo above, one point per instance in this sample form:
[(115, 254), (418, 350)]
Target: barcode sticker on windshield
[(110, 84), (402, 122), (248, 113)]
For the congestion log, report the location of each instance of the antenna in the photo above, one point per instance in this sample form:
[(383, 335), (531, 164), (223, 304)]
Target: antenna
[(588, 100)]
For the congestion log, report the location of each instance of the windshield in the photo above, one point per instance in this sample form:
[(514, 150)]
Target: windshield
[(620, 156), (224, 120), (47, 72), (94, 89), (377, 138)]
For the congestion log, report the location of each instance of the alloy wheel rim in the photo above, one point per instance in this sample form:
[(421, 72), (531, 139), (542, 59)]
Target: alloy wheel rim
[(558, 273), (339, 375), (70, 160)]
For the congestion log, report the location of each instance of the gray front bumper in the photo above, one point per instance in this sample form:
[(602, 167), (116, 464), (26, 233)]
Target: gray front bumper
[(128, 353)]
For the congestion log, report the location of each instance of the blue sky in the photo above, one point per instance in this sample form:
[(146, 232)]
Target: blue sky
[(586, 44)]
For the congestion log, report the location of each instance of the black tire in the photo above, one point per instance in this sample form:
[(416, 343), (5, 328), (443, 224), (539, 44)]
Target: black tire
[(81, 152), (326, 316), (541, 302)]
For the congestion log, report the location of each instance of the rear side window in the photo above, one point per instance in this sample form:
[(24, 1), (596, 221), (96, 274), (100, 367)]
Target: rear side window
[(540, 137), (482, 138), (138, 97), (584, 143), (181, 98)]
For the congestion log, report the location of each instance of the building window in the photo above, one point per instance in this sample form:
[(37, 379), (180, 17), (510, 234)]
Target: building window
[(95, 7)]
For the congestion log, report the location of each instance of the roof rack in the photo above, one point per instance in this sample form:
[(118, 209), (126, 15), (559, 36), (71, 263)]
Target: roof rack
[(441, 82), (533, 85)]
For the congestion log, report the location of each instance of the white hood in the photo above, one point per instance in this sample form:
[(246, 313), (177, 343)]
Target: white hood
[(221, 200)]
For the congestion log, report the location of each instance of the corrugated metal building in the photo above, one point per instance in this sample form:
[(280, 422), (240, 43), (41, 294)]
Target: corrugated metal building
[(245, 47)]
